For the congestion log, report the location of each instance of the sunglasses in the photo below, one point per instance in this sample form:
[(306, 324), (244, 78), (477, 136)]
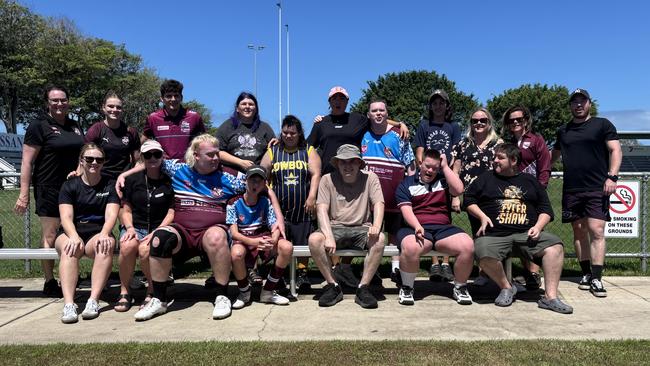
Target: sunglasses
[(518, 120), (152, 154), (475, 121), (91, 159)]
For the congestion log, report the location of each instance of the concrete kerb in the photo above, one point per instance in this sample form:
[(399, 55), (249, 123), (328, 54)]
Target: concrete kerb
[(26, 318)]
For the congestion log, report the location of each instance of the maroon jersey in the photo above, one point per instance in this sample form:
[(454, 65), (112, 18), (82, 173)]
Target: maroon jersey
[(174, 133)]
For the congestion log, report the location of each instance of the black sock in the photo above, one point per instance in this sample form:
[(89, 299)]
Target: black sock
[(222, 290), (596, 271), (585, 266), (160, 290)]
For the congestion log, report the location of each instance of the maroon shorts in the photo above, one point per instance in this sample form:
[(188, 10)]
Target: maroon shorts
[(253, 251), (192, 242), (578, 205)]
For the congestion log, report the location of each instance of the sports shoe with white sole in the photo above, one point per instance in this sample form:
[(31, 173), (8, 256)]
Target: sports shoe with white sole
[(585, 282), (91, 311), (69, 314), (243, 299), (272, 297), (462, 296), (406, 295), (597, 289), (152, 308), (222, 307)]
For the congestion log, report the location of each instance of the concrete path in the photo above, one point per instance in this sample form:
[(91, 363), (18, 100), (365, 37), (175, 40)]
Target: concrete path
[(28, 318)]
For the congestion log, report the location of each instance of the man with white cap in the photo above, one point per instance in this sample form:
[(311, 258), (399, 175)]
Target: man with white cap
[(350, 210), (591, 157)]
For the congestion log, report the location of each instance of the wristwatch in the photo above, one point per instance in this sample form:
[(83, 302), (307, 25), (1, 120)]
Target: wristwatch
[(613, 178)]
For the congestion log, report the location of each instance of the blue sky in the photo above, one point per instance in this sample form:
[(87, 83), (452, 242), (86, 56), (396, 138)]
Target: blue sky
[(486, 47)]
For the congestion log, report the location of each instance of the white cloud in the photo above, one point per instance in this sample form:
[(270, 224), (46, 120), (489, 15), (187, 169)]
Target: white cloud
[(629, 120)]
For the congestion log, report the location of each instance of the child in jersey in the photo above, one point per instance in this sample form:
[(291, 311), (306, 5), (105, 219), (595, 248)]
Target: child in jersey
[(251, 217)]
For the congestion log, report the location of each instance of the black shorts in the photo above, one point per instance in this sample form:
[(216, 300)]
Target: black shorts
[(298, 232), (578, 205), (47, 201), (433, 233), (85, 230)]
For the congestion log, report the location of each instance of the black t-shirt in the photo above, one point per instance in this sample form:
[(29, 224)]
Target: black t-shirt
[(59, 149), (334, 131), (89, 203), (585, 157), (243, 142), (150, 199), (118, 145), (513, 204)]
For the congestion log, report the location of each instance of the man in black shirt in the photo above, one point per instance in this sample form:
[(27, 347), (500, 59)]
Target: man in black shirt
[(591, 157), (513, 209)]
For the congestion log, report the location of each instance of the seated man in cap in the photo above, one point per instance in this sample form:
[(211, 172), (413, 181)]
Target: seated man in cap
[(513, 209), (348, 199)]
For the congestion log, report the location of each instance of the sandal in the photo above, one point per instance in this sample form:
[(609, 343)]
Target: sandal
[(554, 305), (146, 300), (123, 306)]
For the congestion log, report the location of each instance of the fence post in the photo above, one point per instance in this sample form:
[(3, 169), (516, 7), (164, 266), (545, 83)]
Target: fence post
[(27, 236), (644, 215)]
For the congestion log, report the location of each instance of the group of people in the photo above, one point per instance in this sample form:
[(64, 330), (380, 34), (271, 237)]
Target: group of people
[(241, 195)]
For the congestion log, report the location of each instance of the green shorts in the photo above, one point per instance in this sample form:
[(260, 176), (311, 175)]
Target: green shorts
[(500, 247), (350, 237)]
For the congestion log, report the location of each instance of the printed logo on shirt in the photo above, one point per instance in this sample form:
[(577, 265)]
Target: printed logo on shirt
[(125, 140), (291, 180), (439, 140), (525, 145), (77, 131), (187, 203), (387, 152), (217, 192), (105, 139), (340, 197), (187, 183), (338, 126), (241, 218), (101, 194), (364, 148), (159, 195), (163, 128), (185, 127), (513, 209), (55, 130)]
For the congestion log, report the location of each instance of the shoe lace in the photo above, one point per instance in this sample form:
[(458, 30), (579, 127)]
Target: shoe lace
[(69, 309), (221, 301), (596, 282)]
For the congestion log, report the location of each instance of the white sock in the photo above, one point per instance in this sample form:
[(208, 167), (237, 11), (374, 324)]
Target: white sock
[(394, 264), (408, 278), (459, 284)]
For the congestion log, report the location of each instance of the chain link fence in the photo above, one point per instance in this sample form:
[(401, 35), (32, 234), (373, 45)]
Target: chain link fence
[(24, 231)]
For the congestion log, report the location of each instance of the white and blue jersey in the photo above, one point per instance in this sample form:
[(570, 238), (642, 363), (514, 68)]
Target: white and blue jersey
[(251, 220), (200, 200), (388, 156)]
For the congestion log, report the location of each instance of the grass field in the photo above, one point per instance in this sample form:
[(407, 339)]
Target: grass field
[(537, 352), (13, 232)]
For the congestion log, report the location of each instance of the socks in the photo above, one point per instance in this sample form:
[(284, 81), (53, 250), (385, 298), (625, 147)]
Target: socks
[(596, 271), (408, 278), (273, 278), (394, 264), (585, 266), (160, 290)]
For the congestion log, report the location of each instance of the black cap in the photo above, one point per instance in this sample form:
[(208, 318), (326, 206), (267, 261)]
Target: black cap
[(256, 170), (579, 91)]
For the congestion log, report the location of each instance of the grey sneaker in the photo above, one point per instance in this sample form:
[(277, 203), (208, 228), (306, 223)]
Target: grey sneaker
[(272, 297), (585, 282), (447, 273), (152, 308), (222, 307), (406, 295), (435, 272), (597, 289), (506, 296), (462, 296), (69, 314), (243, 299), (91, 311)]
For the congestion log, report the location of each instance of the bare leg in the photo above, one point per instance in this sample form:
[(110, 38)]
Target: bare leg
[(102, 265), (597, 246), (320, 257), (493, 268), (215, 245), (128, 255), (49, 225), (373, 258), (462, 247), (552, 261), (68, 269)]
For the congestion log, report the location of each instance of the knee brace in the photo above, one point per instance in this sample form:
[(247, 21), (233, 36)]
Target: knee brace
[(166, 243)]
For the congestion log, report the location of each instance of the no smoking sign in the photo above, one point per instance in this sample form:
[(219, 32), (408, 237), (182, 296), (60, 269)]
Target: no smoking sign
[(624, 210)]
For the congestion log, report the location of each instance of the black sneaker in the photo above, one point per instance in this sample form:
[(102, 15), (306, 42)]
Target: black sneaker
[(597, 289), (365, 299), (303, 284), (344, 276), (585, 282), (533, 281), (51, 288), (376, 280), (446, 273), (210, 283), (396, 277), (332, 294)]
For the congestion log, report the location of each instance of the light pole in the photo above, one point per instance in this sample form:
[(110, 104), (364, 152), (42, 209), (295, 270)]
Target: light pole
[(279, 4), (288, 101), (255, 48)]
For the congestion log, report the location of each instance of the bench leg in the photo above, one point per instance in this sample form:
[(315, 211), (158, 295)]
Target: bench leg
[(292, 277)]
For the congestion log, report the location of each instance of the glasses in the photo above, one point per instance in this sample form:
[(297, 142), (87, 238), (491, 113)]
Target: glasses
[(517, 120), (58, 101), (91, 159), (152, 154), (483, 121)]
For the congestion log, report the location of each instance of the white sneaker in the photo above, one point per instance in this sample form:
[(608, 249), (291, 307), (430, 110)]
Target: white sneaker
[(406, 295), (154, 307), (91, 311), (243, 299), (462, 296), (272, 297), (221, 307), (69, 314)]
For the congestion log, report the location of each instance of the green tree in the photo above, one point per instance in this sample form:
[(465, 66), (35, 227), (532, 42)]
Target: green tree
[(407, 94), (549, 107), (200, 108)]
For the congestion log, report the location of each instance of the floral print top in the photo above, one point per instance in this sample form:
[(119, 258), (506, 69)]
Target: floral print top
[(474, 160)]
